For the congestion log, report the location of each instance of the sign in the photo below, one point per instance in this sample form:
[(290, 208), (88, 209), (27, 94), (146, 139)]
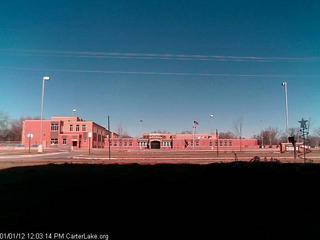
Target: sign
[(90, 134)]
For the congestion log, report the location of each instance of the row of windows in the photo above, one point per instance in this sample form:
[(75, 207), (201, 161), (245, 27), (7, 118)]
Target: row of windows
[(124, 144), (84, 128), (54, 141), (54, 127), (222, 143), (142, 144)]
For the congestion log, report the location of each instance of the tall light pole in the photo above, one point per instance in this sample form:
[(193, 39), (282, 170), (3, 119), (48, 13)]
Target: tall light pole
[(141, 127), (141, 132), (211, 131), (285, 86), (44, 79), (109, 137), (261, 135), (212, 117)]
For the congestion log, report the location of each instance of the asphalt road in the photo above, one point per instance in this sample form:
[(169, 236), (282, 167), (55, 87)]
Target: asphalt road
[(146, 157)]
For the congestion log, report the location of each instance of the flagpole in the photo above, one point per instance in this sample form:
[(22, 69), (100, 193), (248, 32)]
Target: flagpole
[(194, 127)]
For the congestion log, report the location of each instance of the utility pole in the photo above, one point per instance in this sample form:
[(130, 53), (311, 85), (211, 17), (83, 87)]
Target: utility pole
[(109, 139), (217, 137), (193, 137), (30, 136)]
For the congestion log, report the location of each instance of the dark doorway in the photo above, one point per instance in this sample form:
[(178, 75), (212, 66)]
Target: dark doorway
[(155, 145), (74, 143)]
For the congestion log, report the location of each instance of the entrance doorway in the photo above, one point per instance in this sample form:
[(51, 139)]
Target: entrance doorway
[(155, 145), (74, 143)]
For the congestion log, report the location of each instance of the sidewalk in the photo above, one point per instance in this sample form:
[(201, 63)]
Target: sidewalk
[(10, 156)]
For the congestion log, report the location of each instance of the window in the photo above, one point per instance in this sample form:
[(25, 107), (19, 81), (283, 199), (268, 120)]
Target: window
[(64, 141), (54, 141), (230, 143), (221, 143), (210, 143), (54, 127), (84, 128), (225, 143), (71, 128), (77, 128), (216, 143), (130, 143), (125, 144)]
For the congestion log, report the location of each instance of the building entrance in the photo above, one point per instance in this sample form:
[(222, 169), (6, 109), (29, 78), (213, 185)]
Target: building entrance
[(155, 145), (74, 143)]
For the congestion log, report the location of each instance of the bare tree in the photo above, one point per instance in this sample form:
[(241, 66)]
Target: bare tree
[(11, 130), (314, 139), (4, 126), (186, 132), (122, 132), (160, 131), (226, 135), (238, 126), (270, 135)]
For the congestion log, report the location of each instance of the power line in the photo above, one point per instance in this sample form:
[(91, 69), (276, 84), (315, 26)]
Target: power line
[(158, 73), (156, 56)]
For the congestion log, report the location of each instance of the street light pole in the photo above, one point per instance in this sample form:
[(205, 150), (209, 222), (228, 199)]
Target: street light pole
[(217, 141), (45, 78), (285, 85), (109, 137), (30, 136), (141, 132), (211, 131)]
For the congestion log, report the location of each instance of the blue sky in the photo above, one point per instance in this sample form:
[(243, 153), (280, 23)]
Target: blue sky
[(35, 36)]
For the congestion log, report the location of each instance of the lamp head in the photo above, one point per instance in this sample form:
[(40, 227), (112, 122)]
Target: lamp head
[(46, 78)]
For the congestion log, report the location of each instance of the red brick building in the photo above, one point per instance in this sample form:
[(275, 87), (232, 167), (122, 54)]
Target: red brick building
[(180, 142), (65, 132), (73, 132)]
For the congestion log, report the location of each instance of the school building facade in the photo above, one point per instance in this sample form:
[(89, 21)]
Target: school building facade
[(76, 133), (180, 142), (64, 132)]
